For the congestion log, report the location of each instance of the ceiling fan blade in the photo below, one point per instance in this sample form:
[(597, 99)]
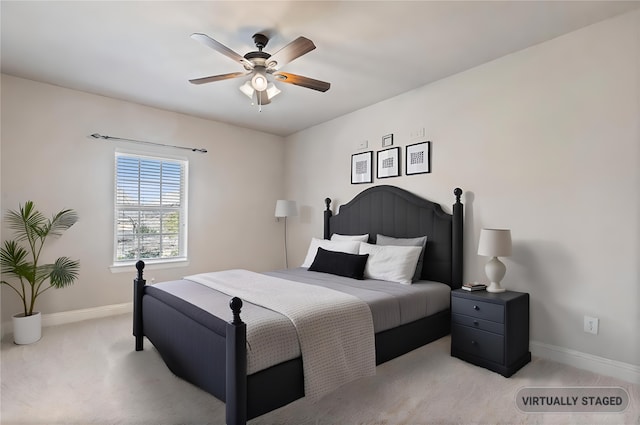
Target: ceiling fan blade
[(299, 80), (220, 77), (291, 51), (221, 48)]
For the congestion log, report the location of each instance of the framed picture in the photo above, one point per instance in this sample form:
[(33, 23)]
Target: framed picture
[(388, 163), (361, 167), (418, 158), (387, 140)]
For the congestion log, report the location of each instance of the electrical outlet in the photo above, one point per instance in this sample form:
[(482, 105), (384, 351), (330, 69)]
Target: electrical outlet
[(591, 325)]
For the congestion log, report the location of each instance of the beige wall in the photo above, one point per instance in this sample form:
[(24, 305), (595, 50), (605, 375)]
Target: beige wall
[(545, 142), (48, 158)]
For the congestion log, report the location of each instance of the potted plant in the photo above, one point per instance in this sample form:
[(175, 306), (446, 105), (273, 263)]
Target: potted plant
[(19, 259)]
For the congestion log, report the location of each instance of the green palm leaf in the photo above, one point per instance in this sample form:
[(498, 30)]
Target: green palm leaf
[(64, 272), (59, 223), (27, 223), (13, 261)]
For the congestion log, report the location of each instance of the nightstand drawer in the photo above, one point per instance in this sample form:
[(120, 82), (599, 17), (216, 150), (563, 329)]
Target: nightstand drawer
[(486, 345), (475, 323), (479, 309)]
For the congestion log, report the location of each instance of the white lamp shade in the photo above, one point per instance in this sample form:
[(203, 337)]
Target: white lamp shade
[(495, 243), (259, 81), (286, 208), (247, 89), (272, 91)]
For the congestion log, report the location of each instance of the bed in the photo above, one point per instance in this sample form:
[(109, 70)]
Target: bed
[(203, 339)]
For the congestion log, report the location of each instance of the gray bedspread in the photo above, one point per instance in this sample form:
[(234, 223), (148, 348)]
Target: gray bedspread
[(272, 338), (392, 304)]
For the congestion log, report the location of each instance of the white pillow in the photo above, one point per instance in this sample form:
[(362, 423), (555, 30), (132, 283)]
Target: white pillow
[(350, 247), (360, 238), (390, 262), (420, 241)]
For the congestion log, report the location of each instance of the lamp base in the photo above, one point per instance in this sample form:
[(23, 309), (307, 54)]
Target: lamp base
[(495, 287), (495, 271)]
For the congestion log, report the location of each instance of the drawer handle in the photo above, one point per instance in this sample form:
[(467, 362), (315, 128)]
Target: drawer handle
[(475, 307), (473, 342), (475, 322)]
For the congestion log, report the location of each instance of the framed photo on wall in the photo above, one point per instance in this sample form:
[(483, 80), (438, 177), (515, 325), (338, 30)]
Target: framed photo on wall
[(361, 171), (418, 158), (388, 163), (387, 140)]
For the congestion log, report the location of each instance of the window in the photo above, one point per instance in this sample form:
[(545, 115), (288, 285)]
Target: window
[(150, 209)]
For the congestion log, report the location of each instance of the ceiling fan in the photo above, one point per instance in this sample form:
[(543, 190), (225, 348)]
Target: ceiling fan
[(259, 64)]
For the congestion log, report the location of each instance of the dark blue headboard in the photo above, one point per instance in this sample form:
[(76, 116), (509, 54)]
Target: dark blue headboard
[(391, 211)]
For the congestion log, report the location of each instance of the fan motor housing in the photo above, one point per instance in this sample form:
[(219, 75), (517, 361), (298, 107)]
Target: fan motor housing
[(261, 40), (257, 55)]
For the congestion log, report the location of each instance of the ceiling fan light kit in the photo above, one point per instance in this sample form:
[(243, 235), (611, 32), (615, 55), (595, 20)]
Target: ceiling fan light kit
[(273, 91), (259, 80), (258, 65), (259, 97)]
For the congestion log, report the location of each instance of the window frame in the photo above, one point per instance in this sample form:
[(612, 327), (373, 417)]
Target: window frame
[(182, 258)]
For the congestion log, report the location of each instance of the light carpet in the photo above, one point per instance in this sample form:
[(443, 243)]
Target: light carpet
[(89, 373)]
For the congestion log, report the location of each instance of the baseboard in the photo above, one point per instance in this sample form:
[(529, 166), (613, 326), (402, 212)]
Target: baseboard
[(601, 365), (64, 317), (54, 319)]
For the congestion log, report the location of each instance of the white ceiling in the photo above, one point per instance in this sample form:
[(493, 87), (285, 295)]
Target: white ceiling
[(368, 51)]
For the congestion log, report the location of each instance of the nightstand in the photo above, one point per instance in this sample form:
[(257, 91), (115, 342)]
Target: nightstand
[(491, 329)]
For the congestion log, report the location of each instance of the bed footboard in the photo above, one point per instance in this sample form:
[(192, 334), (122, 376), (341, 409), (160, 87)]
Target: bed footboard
[(233, 346)]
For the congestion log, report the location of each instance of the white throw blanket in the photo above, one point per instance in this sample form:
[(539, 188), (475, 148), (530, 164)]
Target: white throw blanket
[(335, 329)]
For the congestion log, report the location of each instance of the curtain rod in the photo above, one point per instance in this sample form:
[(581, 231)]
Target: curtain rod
[(99, 136)]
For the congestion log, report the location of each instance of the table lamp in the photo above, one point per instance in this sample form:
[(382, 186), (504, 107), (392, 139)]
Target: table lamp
[(495, 243)]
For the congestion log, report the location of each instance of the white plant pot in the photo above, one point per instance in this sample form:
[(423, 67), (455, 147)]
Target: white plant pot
[(27, 329)]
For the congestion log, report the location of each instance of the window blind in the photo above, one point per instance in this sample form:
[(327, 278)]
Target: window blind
[(150, 208)]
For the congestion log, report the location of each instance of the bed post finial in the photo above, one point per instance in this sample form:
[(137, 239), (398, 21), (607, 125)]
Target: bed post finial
[(458, 192), (327, 202), (140, 267), (236, 306)]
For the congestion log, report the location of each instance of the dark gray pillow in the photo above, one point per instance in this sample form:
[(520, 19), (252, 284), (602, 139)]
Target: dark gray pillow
[(420, 241), (339, 263)]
